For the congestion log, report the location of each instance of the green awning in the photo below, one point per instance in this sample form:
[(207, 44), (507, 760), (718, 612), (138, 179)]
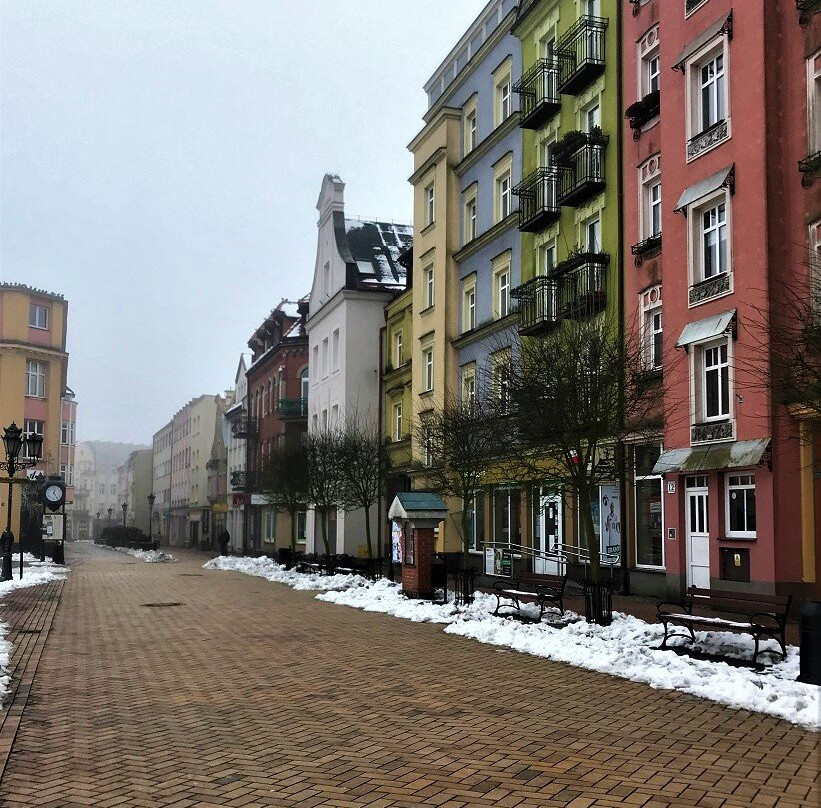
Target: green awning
[(703, 187), (708, 328), (735, 455)]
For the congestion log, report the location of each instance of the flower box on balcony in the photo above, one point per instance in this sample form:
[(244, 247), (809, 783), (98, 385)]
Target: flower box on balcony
[(642, 112)]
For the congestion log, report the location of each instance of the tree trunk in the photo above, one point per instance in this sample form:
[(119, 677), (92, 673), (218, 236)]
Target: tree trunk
[(465, 539), (368, 532), (589, 532), (292, 512), (325, 531)]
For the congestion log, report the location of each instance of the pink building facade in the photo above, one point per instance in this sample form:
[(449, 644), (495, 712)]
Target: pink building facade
[(717, 100)]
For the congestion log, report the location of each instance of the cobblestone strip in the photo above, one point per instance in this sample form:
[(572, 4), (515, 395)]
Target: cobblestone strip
[(29, 614)]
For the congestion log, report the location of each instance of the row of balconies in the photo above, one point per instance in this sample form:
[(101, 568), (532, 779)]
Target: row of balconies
[(575, 175), (247, 427), (576, 288), (576, 62)]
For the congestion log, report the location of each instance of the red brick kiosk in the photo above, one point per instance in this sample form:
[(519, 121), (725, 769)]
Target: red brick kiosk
[(420, 514)]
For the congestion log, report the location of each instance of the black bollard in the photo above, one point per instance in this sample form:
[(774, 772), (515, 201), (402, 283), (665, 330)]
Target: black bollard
[(809, 623)]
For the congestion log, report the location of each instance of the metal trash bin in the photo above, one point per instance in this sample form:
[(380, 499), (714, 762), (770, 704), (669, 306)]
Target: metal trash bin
[(809, 623)]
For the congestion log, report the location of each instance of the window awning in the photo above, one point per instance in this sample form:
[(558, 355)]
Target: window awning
[(708, 328), (735, 455), (723, 25), (705, 186)]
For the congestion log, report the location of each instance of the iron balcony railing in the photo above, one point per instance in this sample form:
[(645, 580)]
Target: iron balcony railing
[(244, 427), (583, 285), (293, 407), (810, 167), (538, 305), (806, 8), (537, 200), (647, 248), (538, 91), (581, 54), (642, 112), (581, 174), (242, 480)]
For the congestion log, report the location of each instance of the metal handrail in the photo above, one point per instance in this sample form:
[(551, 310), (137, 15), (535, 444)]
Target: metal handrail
[(559, 552)]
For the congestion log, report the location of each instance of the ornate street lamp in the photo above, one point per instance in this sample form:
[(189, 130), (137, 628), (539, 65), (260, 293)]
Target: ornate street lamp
[(14, 441), (97, 525), (110, 511), (151, 499), (125, 511)]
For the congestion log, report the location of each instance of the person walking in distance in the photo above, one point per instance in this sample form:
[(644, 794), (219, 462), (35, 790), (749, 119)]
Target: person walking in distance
[(223, 538)]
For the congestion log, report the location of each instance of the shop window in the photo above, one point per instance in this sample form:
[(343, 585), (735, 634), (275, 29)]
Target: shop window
[(506, 528), (649, 509)]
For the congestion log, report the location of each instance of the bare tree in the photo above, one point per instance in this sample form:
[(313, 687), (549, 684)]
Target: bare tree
[(574, 393), (323, 457), (284, 481), (460, 443), (364, 464)]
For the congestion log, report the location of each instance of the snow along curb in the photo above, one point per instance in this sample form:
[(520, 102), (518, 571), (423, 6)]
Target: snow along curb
[(36, 573), (628, 648)]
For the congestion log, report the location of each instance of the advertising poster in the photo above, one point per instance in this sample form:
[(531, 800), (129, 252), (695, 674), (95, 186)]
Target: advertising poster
[(610, 516), (396, 541)]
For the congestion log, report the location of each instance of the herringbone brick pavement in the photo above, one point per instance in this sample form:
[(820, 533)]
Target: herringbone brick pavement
[(249, 694)]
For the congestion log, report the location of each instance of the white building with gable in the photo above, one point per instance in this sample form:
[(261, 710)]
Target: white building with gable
[(357, 272)]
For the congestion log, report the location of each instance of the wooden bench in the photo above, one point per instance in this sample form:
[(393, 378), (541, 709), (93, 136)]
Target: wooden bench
[(765, 616), (530, 587)]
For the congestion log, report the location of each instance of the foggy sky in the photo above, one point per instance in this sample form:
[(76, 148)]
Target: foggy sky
[(160, 162)]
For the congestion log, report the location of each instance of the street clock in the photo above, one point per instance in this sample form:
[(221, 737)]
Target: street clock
[(54, 493)]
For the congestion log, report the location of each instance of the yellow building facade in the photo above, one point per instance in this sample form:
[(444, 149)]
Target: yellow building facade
[(33, 373)]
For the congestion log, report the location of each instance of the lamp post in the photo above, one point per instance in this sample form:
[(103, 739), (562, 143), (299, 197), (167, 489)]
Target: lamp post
[(125, 511), (110, 511), (13, 442), (151, 499), (97, 526)]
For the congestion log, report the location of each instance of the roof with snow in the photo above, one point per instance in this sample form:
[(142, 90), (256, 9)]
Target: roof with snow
[(371, 252)]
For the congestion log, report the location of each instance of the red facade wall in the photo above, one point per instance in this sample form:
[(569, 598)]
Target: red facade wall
[(767, 92)]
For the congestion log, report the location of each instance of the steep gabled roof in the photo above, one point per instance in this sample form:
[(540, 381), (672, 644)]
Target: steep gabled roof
[(371, 252)]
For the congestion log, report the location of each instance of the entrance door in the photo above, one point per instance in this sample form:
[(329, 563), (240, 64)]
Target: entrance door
[(548, 533), (698, 533)]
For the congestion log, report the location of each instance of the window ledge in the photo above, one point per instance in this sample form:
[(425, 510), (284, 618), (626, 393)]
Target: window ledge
[(426, 393), (427, 310), (738, 538), (427, 228), (712, 288)]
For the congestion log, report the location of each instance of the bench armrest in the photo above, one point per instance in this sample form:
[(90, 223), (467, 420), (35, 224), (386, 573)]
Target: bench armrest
[(778, 623)]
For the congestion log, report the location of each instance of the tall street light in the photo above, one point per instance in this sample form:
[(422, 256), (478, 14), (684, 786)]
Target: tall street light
[(151, 499), (13, 443), (97, 525), (125, 511), (110, 511)]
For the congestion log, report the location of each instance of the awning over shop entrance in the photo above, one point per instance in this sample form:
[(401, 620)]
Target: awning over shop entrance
[(738, 454)]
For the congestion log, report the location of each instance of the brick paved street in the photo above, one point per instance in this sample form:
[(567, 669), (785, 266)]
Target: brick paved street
[(249, 694)]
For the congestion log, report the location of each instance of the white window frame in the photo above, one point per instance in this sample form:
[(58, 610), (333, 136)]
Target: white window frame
[(500, 363), (696, 237), (427, 368), (429, 288), (729, 487), (35, 319), (693, 84), (469, 383), (651, 72), (545, 250), (703, 370), (36, 378), (398, 348), (501, 291), (503, 188), (430, 204), (814, 103), (469, 305), (397, 421), (471, 214), (645, 478), (470, 125), (335, 349), (654, 207), (503, 92), (38, 428)]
